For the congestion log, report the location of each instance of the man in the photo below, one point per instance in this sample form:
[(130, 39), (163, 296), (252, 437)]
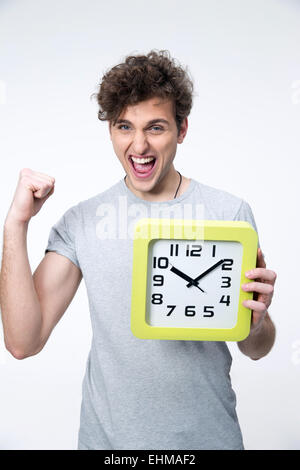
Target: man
[(137, 394)]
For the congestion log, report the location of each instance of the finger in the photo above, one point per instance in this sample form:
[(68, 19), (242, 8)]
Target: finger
[(40, 189), (42, 181), (38, 180), (45, 177), (27, 172), (262, 273), (260, 287), (34, 182), (49, 194), (46, 190), (255, 306)]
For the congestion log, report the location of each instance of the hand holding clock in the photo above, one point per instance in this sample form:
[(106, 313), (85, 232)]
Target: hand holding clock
[(263, 289)]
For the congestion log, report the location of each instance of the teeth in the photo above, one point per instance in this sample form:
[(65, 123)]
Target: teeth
[(142, 160)]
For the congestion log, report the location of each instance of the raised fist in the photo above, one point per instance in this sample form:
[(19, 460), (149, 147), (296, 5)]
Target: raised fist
[(32, 191)]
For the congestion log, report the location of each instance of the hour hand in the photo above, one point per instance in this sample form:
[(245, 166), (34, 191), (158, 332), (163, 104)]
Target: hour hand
[(185, 276)]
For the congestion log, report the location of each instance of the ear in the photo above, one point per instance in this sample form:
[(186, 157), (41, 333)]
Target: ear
[(183, 131)]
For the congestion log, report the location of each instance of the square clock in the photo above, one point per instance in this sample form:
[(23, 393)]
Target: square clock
[(187, 277)]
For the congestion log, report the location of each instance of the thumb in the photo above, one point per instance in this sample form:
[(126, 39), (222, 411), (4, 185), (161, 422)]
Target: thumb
[(40, 194), (260, 263)]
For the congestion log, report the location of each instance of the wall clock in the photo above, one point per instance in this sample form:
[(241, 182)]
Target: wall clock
[(187, 277)]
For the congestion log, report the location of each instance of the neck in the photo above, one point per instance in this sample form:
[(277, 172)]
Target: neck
[(164, 189)]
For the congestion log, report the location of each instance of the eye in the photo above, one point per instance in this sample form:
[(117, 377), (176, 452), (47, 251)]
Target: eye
[(125, 127)]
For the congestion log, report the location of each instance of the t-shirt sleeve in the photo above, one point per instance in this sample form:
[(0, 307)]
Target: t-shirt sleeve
[(245, 214), (62, 238)]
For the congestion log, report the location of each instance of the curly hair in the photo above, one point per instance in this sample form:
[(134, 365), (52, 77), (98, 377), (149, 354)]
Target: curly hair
[(142, 77)]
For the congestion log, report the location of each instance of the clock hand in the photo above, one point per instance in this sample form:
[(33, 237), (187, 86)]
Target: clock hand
[(185, 276), (206, 272)]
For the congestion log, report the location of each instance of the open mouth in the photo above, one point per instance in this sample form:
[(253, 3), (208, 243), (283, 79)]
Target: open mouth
[(142, 166)]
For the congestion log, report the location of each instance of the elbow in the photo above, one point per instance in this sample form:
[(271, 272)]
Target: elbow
[(17, 354), (255, 358), (20, 354)]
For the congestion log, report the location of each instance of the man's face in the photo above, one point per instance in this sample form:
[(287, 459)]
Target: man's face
[(145, 139)]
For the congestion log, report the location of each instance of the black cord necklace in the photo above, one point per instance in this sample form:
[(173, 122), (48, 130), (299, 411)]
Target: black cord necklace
[(180, 179), (179, 184)]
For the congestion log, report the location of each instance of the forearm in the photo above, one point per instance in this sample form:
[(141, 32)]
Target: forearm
[(20, 308), (260, 341)]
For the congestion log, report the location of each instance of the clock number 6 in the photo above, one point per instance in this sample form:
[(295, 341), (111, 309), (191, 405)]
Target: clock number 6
[(190, 311)]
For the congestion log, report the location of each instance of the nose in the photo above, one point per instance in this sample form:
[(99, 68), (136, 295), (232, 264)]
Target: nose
[(140, 143)]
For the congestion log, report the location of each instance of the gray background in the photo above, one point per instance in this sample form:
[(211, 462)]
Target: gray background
[(243, 137)]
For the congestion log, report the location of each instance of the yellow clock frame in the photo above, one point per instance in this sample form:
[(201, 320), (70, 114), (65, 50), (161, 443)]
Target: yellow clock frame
[(150, 229)]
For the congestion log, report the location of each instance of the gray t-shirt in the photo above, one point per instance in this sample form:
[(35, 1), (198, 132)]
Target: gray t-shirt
[(145, 394)]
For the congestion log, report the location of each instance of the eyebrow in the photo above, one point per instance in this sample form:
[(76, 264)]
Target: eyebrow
[(149, 123)]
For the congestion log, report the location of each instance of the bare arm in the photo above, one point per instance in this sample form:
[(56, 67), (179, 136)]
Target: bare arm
[(260, 341), (56, 281), (31, 305), (262, 334)]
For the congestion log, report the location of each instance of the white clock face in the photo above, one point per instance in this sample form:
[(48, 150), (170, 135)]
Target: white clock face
[(193, 284)]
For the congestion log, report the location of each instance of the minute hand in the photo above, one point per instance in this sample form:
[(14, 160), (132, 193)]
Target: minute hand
[(206, 272)]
